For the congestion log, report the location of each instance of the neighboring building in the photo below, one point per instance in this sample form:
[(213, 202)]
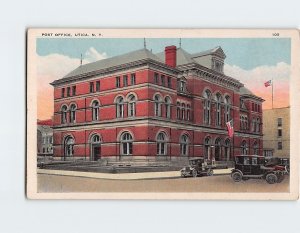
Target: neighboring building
[(277, 132), (45, 138), (143, 105)]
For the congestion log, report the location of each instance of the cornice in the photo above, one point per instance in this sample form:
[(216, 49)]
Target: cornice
[(111, 70), (202, 72)]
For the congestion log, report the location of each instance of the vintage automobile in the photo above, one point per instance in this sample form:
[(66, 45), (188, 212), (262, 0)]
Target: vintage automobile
[(272, 161), (197, 167), (257, 167)]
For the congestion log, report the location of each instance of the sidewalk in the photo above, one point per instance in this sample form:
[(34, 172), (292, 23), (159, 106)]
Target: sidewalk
[(124, 176)]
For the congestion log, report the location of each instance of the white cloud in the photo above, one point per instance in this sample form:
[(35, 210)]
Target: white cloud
[(92, 55), (254, 80), (280, 72), (55, 66)]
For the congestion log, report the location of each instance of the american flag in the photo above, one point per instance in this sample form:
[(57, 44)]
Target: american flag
[(268, 83), (229, 125)]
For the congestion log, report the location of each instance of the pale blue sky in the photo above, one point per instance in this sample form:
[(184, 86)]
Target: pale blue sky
[(242, 52)]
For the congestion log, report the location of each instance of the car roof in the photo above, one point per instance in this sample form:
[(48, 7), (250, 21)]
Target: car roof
[(196, 158), (255, 156)]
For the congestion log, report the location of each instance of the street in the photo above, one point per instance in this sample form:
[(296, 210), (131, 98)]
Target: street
[(221, 183)]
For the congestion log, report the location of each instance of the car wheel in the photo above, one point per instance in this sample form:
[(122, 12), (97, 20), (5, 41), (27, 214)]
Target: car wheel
[(280, 178), (182, 175), (210, 172), (194, 173), (236, 176), (271, 178)]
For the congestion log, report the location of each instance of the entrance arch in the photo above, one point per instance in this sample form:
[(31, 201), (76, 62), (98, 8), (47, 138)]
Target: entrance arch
[(218, 151), (68, 147), (227, 149), (95, 153)]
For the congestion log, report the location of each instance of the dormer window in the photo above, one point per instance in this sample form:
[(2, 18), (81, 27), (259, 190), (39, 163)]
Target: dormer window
[(217, 65), (181, 85)]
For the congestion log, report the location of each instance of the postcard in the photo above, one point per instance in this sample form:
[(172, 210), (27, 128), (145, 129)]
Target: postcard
[(163, 114)]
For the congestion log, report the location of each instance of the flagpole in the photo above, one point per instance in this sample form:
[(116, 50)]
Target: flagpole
[(272, 92)]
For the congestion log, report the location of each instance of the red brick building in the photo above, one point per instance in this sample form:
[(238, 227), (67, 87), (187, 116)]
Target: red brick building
[(143, 105)]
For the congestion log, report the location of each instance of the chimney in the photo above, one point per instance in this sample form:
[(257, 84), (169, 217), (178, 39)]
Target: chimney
[(170, 55)]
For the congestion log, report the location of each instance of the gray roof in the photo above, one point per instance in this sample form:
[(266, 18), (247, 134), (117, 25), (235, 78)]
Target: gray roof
[(183, 57), (245, 91), (216, 50), (114, 61)]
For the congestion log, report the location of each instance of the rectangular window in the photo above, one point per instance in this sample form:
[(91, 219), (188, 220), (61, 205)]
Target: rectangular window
[(169, 82), (118, 82), (156, 78), (246, 161), (279, 134), (125, 80), (258, 106), (279, 146), (254, 161), (68, 91), (74, 90), (279, 122), (252, 106), (132, 79), (91, 87), (162, 80), (98, 86), (62, 92)]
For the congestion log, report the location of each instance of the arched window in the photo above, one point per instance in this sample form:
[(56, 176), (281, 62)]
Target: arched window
[(157, 105), (126, 144), (120, 107), (183, 111), (131, 105), (227, 107), (218, 109), (227, 149), (218, 151), (161, 144), (95, 139), (168, 107), (73, 113), (64, 110), (95, 110), (188, 112), (178, 110), (257, 125), (255, 148), (69, 146), (207, 107), (254, 125), (184, 145), (244, 148), (207, 148), (244, 122)]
